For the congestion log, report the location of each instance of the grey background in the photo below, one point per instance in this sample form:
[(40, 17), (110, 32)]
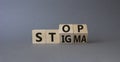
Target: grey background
[(19, 17)]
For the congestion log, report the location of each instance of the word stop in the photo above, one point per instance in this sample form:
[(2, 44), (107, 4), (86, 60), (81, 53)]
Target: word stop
[(66, 34)]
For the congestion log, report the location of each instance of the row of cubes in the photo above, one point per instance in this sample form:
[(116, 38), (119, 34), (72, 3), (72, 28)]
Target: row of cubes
[(66, 34)]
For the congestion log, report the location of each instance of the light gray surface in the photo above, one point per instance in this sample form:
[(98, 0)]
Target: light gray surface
[(19, 17)]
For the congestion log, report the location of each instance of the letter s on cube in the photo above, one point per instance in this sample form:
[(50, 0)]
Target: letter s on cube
[(38, 36)]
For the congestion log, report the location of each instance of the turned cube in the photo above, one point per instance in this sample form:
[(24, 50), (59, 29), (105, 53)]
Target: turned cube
[(66, 33), (80, 33)]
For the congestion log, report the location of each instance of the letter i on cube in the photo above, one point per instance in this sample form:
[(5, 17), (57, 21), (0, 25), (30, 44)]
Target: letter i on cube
[(66, 33)]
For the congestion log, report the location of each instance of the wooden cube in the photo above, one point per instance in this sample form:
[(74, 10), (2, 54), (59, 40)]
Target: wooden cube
[(38, 36), (66, 33), (80, 33), (66, 38), (52, 36)]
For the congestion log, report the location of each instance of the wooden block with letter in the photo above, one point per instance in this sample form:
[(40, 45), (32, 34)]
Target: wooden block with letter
[(52, 36), (38, 36), (80, 33), (66, 33)]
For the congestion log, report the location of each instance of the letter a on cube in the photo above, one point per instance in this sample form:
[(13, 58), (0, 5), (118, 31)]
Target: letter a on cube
[(80, 33)]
